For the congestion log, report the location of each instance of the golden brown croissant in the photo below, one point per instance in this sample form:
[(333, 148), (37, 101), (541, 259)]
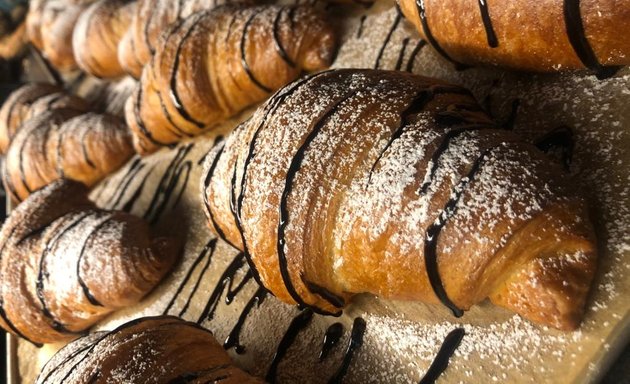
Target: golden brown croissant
[(150, 20), (356, 181), (65, 143), (34, 23), (536, 36), (31, 100), (51, 24), (214, 64), (163, 349), (96, 36), (64, 263)]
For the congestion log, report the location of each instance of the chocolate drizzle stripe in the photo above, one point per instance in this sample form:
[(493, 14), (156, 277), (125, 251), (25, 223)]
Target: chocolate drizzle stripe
[(331, 338), (171, 126), (432, 233), (206, 184), (39, 284), (232, 340), (487, 23), (355, 342), (167, 184), (225, 282), (401, 54), (128, 206), (298, 323), (244, 63), (581, 46), (84, 287), (198, 282), (140, 123), (177, 103), (84, 150), (283, 212), (324, 293), (272, 105), (208, 248), (361, 24), (388, 37), (417, 105), (441, 360), (276, 39), (437, 155), (429, 36), (126, 180)]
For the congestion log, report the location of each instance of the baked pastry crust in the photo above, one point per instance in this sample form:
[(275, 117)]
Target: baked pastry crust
[(439, 205), (31, 100), (150, 20), (214, 64), (65, 143), (163, 349), (97, 34), (64, 263), (526, 35)]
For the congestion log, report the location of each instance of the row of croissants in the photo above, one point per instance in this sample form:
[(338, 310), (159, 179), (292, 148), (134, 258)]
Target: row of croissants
[(384, 182), (201, 62)]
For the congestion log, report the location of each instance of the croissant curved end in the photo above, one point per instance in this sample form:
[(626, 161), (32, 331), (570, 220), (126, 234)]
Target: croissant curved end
[(552, 287)]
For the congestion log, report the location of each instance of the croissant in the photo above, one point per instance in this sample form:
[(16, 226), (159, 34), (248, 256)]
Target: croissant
[(354, 181), (31, 100), (51, 25), (65, 143), (34, 23), (163, 349), (64, 263), (96, 36), (150, 19), (545, 36), (216, 63)]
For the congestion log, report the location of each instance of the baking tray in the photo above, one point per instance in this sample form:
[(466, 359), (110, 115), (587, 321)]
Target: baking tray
[(402, 338)]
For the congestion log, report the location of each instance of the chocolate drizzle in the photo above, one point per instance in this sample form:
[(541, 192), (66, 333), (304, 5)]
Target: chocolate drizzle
[(295, 165), (579, 41), (41, 274), (361, 24), (232, 341), (168, 183), (84, 287), (331, 338), (130, 175), (206, 184), (440, 362), (388, 37), (272, 105), (276, 39), (244, 63), (173, 82), (226, 282), (429, 36), (297, 324), (417, 105), (355, 342), (401, 54), (487, 24), (432, 234), (208, 250)]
